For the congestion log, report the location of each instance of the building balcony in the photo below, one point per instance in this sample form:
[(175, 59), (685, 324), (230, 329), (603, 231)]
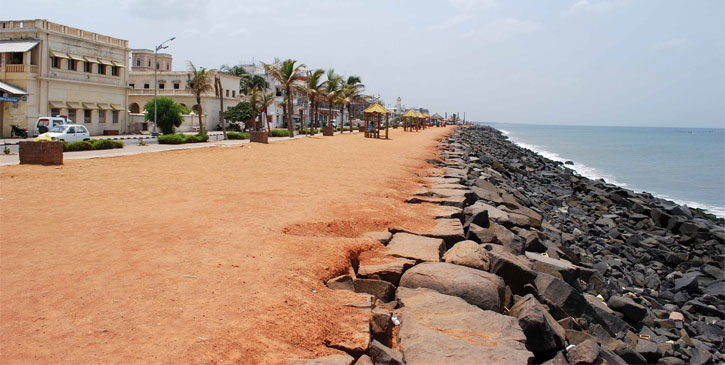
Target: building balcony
[(18, 68), (161, 92)]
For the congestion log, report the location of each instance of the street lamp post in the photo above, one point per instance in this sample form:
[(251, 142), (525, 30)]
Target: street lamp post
[(156, 83)]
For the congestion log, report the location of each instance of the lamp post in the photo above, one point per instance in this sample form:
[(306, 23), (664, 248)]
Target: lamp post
[(156, 83)]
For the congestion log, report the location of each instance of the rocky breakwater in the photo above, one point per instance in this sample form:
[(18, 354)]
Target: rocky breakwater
[(531, 263)]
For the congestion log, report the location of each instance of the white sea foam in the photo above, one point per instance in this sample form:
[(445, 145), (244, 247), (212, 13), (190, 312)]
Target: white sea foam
[(505, 132), (595, 174)]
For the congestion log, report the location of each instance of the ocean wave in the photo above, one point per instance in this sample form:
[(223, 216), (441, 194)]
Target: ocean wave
[(505, 132), (595, 174)]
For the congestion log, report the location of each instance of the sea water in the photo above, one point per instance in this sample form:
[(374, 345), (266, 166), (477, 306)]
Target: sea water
[(685, 165)]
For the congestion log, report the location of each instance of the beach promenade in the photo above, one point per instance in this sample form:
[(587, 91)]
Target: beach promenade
[(199, 255)]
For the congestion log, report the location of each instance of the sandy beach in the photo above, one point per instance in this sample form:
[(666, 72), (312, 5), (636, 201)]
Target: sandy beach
[(198, 255)]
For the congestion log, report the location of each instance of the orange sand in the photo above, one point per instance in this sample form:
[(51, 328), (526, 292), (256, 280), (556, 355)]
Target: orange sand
[(199, 255)]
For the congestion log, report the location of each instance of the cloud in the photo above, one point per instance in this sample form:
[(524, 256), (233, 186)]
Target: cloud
[(167, 9), (473, 4), (594, 7), (451, 22), (501, 30), (671, 43)]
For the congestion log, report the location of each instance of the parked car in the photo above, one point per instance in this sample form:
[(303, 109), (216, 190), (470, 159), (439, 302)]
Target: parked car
[(45, 124), (69, 133)]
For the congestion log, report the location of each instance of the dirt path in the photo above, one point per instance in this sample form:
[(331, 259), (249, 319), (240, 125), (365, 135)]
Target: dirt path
[(198, 255)]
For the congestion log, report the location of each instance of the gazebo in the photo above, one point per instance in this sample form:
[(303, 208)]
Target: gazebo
[(426, 117), (437, 118), (408, 117), (374, 113)]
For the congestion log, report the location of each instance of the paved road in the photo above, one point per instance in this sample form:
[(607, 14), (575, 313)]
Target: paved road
[(132, 147)]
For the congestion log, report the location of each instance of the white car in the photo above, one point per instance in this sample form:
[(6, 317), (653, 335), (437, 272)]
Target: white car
[(69, 133)]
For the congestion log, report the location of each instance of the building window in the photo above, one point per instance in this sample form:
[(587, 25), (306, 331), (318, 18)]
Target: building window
[(101, 116), (167, 66), (87, 67), (72, 115), (71, 64), (55, 62), (138, 62), (176, 85), (16, 58), (54, 112), (279, 92), (227, 93), (157, 65), (87, 116), (115, 116), (114, 70), (149, 63), (101, 69), (234, 93), (131, 86), (146, 86), (161, 85)]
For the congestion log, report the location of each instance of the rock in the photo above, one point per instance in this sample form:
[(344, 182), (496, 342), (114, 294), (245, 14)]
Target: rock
[(382, 354), (381, 326), (476, 287), (558, 359), (610, 358), (454, 201), (543, 333), (468, 253), (380, 289), (484, 194), (386, 268), (601, 314), (445, 211), (364, 360), (337, 359), (584, 353), (576, 337), (442, 329), (342, 282), (687, 283), (558, 268), (631, 310), (561, 297), (450, 230), (493, 213), (699, 356), (415, 247), (381, 236), (649, 350), (515, 270)]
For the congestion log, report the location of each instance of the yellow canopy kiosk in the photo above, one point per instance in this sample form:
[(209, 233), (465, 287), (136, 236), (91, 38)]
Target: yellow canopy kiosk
[(426, 118), (372, 116), (408, 119)]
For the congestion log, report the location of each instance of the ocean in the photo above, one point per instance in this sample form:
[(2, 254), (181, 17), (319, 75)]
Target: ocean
[(685, 165)]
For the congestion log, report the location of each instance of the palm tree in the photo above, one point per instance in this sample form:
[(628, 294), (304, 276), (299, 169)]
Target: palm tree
[(312, 89), (353, 89), (198, 82), (286, 73), (331, 91), (218, 90), (266, 100)]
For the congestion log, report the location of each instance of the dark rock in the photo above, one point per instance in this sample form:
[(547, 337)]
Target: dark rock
[(631, 310), (381, 326), (610, 358), (561, 297), (543, 333), (687, 283), (476, 287), (382, 354), (515, 270), (649, 350), (380, 289), (584, 353), (558, 359)]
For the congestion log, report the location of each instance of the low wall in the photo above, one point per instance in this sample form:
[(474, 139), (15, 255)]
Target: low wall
[(41, 153)]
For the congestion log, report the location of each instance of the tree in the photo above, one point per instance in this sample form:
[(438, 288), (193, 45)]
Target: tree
[(169, 114), (331, 91), (198, 82), (241, 112), (266, 100), (313, 89), (218, 90), (353, 93), (286, 73)]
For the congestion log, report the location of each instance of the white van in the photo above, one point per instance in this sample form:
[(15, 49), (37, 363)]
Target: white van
[(45, 124)]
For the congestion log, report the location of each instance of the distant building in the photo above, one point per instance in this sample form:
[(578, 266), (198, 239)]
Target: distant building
[(51, 69), (173, 84)]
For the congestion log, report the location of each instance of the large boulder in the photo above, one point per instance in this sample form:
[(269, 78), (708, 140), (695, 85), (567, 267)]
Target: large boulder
[(631, 310), (415, 247), (543, 333), (468, 253), (384, 355), (559, 268), (493, 213), (476, 287), (561, 297), (442, 329)]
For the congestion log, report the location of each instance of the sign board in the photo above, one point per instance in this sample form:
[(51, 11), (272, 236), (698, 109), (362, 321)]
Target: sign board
[(9, 98)]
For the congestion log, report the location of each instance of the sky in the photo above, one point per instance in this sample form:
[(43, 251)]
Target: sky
[(571, 62)]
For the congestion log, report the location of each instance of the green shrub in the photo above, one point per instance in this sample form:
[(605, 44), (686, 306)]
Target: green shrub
[(280, 133), (94, 144), (237, 135), (314, 131), (183, 138)]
